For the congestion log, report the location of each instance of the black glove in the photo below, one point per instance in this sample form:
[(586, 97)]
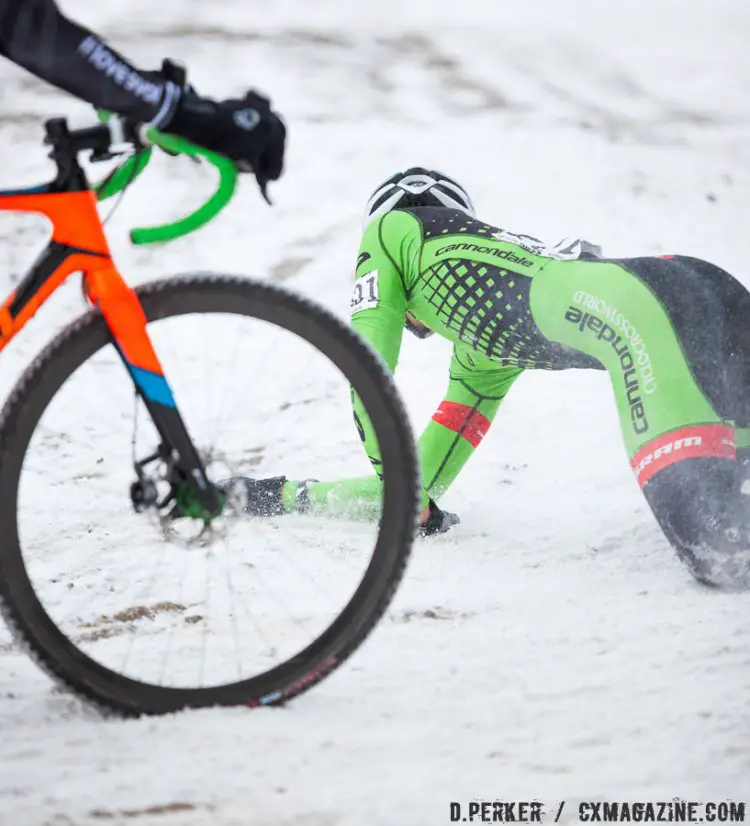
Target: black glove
[(589, 250), (439, 521), (576, 248), (258, 497), (244, 129), (263, 497)]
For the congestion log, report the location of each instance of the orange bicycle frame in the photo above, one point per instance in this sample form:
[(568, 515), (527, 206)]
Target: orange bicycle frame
[(78, 244)]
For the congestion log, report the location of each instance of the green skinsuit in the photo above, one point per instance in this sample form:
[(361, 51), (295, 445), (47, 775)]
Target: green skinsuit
[(671, 332)]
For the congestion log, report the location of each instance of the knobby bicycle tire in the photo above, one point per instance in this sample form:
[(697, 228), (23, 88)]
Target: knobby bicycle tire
[(205, 293)]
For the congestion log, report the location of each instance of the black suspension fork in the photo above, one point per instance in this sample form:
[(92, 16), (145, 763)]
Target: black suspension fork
[(176, 448)]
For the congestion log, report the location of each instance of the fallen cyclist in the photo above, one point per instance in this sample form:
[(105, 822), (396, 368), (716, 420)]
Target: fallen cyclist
[(673, 332)]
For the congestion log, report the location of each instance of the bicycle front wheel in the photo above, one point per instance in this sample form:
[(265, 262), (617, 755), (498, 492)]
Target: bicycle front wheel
[(143, 616)]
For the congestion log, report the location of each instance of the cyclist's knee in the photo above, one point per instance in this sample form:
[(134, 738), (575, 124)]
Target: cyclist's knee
[(705, 518)]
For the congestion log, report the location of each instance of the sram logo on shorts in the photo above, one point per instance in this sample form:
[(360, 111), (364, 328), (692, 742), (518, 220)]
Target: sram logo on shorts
[(365, 295), (694, 442)]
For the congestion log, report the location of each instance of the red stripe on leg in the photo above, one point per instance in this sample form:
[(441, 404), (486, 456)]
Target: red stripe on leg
[(467, 421), (694, 442)]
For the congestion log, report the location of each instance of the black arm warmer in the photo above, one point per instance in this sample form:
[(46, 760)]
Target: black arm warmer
[(37, 36)]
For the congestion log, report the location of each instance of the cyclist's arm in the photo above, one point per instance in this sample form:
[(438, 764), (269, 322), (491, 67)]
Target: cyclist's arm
[(475, 392), (476, 388), (378, 307), (37, 36)]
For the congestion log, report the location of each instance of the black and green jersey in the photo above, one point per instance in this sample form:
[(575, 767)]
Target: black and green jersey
[(468, 282), (509, 304), (465, 280)]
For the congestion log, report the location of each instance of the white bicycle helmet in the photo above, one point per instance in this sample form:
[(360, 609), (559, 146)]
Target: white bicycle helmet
[(417, 187)]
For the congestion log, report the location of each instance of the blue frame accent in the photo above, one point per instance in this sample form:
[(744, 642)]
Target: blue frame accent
[(153, 386)]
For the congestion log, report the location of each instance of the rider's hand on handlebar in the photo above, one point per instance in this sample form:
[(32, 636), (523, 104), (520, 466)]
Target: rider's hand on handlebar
[(244, 129)]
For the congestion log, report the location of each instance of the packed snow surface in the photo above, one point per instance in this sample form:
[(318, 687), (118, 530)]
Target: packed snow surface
[(551, 647)]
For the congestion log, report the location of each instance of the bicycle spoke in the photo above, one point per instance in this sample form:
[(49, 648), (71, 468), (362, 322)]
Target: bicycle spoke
[(205, 611)]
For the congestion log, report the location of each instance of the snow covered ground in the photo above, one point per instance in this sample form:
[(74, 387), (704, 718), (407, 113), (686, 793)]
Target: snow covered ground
[(551, 647)]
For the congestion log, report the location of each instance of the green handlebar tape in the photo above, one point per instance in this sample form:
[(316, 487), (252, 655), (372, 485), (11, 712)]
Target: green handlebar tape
[(123, 175), (221, 197)]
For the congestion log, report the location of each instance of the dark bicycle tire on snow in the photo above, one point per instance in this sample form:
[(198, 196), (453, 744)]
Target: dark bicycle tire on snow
[(22, 608)]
